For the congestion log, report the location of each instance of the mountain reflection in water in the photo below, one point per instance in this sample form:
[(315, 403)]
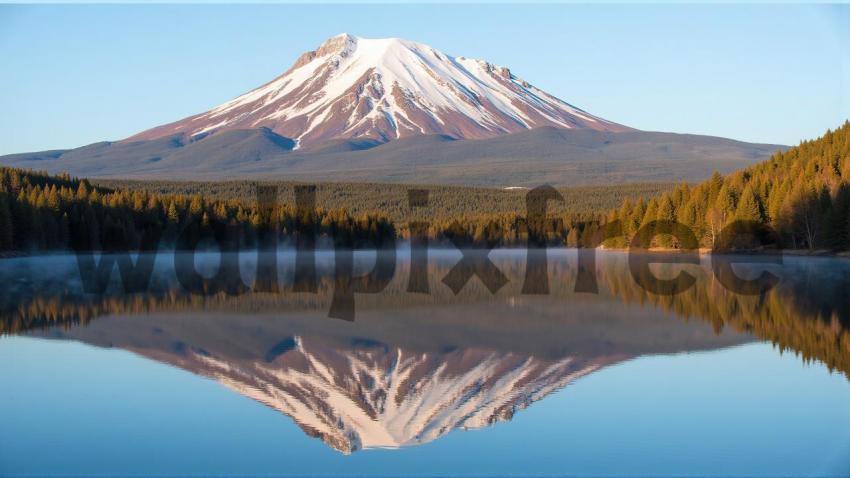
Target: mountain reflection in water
[(413, 367)]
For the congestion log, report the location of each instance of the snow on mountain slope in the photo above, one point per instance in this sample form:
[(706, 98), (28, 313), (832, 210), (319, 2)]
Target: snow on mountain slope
[(382, 397), (384, 89)]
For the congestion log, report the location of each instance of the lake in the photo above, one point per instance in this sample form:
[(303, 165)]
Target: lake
[(621, 381)]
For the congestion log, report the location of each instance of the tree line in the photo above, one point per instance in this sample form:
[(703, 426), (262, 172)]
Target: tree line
[(43, 212), (801, 195), (480, 215), (445, 203)]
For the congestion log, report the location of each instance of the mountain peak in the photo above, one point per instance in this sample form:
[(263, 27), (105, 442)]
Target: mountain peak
[(337, 44), (388, 88), (343, 35)]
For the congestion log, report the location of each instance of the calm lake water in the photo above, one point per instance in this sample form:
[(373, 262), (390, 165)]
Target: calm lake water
[(706, 382)]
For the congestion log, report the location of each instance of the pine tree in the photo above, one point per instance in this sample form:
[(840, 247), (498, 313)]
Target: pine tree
[(775, 203), (666, 213), (196, 206), (53, 199), (714, 185), (173, 215), (749, 208), (726, 202), (647, 232)]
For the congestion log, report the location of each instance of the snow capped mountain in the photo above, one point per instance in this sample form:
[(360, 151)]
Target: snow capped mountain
[(384, 89), (382, 397)]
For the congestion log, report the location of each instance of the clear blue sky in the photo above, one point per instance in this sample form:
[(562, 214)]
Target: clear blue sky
[(72, 75)]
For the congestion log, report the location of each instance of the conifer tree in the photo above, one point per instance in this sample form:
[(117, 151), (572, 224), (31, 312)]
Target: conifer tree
[(666, 213), (748, 207)]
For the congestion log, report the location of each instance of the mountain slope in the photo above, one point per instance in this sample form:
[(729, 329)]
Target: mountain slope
[(386, 89), (527, 158)]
